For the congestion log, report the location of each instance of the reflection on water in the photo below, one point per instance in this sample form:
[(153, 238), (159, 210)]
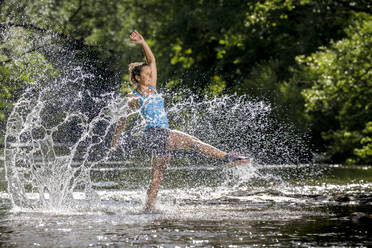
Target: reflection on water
[(331, 206)]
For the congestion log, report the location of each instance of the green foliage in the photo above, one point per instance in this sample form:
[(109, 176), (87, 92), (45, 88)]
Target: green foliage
[(342, 87), (201, 40), (272, 49), (365, 153), (217, 86), (259, 10), (21, 65)]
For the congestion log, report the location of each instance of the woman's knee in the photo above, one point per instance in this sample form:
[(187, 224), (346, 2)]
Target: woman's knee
[(161, 161)]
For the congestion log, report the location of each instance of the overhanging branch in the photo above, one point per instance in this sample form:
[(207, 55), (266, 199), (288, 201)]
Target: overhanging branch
[(356, 8), (79, 43)]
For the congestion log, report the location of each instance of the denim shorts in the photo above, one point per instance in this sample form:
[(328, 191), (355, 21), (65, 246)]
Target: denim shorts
[(155, 140)]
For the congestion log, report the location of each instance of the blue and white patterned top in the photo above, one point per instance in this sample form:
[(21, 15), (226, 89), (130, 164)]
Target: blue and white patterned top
[(152, 109)]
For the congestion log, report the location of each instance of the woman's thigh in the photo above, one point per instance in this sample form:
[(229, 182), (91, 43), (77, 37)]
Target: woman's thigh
[(179, 140)]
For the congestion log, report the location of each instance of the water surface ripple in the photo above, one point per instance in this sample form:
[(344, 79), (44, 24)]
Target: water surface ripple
[(226, 210)]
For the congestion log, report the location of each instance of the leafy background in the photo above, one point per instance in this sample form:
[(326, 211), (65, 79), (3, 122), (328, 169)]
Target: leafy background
[(310, 58)]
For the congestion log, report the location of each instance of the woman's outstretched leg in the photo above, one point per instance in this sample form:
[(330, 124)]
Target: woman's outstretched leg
[(178, 140), (159, 165)]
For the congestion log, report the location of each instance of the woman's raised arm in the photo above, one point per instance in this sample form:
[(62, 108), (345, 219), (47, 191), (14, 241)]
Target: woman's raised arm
[(138, 39)]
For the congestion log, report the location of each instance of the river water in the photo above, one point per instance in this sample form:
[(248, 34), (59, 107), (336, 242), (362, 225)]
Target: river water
[(205, 206)]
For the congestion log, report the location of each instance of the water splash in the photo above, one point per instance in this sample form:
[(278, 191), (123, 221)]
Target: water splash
[(49, 149), (62, 125), (240, 124)]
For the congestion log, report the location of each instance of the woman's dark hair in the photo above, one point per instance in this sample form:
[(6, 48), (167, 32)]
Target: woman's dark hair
[(134, 70)]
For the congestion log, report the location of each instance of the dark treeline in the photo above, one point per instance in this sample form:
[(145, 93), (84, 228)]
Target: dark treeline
[(309, 58)]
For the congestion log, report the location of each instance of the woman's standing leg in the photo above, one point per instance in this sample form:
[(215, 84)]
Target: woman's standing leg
[(159, 165)]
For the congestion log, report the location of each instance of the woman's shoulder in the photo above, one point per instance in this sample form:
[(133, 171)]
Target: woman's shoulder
[(131, 95)]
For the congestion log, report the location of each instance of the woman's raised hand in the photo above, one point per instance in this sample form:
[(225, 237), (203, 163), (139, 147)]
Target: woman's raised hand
[(136, 37)]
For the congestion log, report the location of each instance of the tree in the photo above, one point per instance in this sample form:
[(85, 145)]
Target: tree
[(210, 47), (242, 47), (341, 93), (31, 31)]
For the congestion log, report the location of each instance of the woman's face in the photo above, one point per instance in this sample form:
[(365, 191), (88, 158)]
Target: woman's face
[(145, 78)]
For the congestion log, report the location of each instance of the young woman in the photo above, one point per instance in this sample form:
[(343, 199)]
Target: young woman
[(158, 138)]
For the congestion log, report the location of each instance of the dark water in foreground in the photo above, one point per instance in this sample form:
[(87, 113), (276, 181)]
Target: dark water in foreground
[(284, 206)]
